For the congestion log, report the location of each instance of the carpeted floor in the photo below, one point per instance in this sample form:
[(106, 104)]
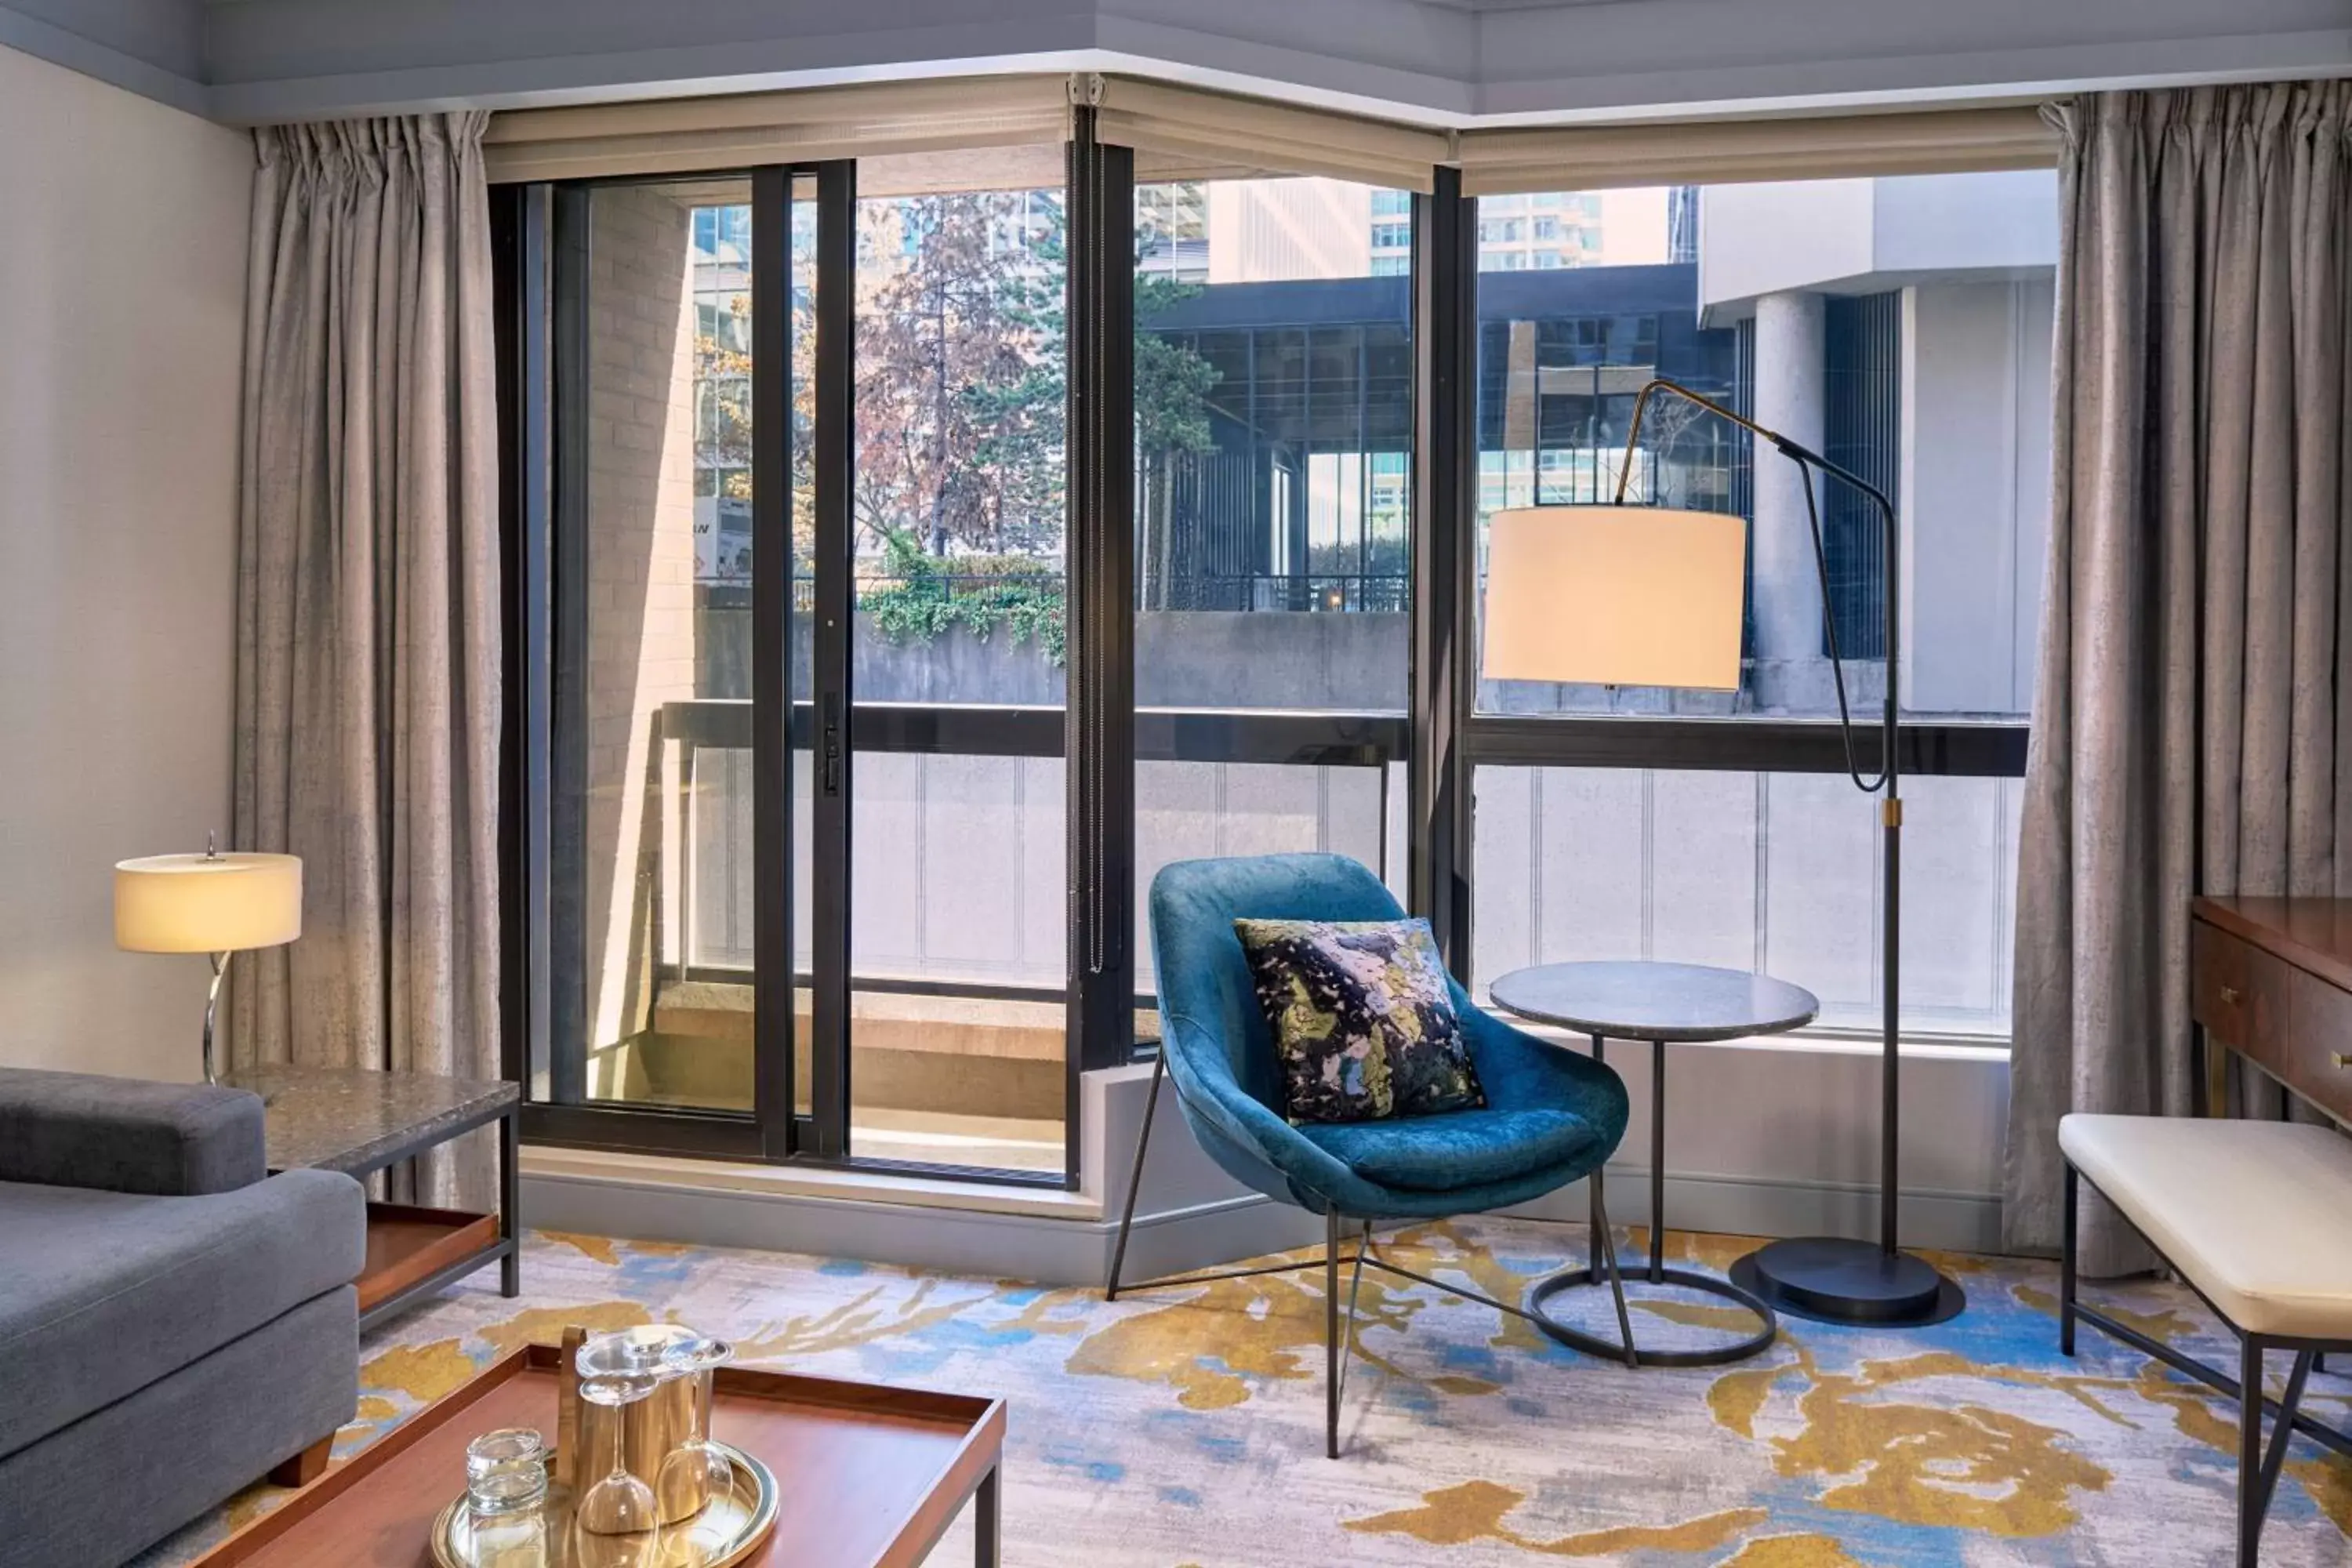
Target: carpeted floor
[(1187, 1428)]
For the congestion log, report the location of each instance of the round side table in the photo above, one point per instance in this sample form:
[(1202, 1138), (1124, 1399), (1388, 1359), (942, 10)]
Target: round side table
[(1663, 1004)]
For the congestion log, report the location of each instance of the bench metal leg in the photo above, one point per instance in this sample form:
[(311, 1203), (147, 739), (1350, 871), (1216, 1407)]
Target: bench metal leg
[(2258, 1469), (2249, 1448), (2067, 1263)]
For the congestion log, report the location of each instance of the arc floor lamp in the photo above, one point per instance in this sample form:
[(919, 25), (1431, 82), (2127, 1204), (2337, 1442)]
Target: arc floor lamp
[(1649, 595)]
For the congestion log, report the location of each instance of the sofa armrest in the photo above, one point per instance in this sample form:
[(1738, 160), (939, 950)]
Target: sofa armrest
[(128, 1135)]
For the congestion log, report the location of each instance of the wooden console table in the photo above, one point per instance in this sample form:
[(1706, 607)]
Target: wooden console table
[(2271, 980)]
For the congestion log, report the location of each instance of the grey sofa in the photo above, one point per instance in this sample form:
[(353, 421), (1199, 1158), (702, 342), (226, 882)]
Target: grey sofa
[(171, 1324)]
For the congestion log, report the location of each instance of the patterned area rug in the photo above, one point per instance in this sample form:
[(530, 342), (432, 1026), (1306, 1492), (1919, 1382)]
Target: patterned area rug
[(1188, 1427)]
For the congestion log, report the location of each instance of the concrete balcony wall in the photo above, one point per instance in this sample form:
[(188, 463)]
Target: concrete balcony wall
[(1865, 237), (1953, 226), (1762, 238)]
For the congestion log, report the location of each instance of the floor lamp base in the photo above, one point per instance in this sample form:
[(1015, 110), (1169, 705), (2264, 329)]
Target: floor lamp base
[(1830, 1279)]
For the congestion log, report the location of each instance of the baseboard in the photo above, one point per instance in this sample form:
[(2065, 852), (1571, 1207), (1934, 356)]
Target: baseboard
[(1189, 1214), (1076, 1251), (1036, 1249), (1748, 1205)]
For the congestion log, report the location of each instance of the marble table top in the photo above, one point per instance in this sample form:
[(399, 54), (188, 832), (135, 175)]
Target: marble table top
[(1639, 1000), (356, 1121)]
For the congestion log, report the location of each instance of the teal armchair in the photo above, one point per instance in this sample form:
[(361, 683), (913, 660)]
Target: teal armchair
[(1551, 1116)]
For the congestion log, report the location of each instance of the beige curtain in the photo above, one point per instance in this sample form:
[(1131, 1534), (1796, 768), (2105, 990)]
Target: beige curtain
[(2191, 731), (368, 701)]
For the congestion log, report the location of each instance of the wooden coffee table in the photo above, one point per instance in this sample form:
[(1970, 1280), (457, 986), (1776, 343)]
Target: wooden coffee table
[(868, 1477)]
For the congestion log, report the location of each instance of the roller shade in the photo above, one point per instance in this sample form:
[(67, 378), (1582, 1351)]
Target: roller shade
[(1006, 131), (1932, 142), (1183, 133), (878, 120)]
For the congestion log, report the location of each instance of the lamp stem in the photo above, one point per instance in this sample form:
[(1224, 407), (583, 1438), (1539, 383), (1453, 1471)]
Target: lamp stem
[(1887, 784), (211, 1008)]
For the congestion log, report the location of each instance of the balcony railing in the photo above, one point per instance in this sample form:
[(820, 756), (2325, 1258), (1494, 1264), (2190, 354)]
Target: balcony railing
[(955, 798), (1379, 592)]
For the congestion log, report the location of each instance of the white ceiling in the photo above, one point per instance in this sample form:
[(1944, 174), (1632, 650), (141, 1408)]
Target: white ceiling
[(1447, 62)]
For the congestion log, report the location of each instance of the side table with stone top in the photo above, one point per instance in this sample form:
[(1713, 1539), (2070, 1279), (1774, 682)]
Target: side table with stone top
[(1663, 1004), (358, 1121)]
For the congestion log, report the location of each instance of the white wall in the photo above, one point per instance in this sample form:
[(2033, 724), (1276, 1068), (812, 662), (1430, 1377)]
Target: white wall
[(122, 310)]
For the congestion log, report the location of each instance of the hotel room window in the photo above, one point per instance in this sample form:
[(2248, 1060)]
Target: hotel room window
[(1273, 439), (1900, 326)]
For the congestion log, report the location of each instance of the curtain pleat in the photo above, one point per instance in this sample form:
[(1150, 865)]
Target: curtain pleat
[(368, 670), (2189, 724)]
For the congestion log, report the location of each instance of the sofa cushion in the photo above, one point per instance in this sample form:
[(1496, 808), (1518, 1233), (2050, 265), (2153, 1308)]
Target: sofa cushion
[(127, 1135), (103, 1293), (1456, 1148)]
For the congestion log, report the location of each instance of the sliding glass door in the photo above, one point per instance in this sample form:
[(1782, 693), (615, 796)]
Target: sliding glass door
[(955, 668), (792, 604)]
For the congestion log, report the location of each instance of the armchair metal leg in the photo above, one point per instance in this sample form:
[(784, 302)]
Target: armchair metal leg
[(1339, 1336), (2258, 1469), (1135, 1176), (1333, 1348)]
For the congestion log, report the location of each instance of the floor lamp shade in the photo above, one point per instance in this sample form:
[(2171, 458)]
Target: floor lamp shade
[(1615, 595), (207, 903)]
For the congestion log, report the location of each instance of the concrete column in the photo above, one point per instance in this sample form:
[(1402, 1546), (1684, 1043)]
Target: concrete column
[(1976, 492), (1790, 357)]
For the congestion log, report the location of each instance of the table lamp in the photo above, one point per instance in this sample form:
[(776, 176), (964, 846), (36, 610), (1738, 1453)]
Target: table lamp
[(211, 903), (1639, 596)]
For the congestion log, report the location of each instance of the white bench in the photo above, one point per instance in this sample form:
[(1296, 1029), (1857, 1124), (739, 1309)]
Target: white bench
[(2256, 1216)]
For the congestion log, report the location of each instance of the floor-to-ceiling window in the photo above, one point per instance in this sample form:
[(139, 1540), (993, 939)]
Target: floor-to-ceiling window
[(1901, 326), (1272, 521), (805, 621)]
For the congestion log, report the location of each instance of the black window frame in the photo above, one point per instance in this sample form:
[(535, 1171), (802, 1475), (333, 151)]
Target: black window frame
[(1440, 739)]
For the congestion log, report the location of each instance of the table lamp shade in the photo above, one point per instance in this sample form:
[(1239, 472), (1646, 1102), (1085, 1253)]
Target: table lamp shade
[(207, 903), (1615, 595)]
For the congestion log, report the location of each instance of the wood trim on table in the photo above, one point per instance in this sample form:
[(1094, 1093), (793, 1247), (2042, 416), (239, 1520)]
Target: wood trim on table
[(429, 1241), (2314, 934), (978, 1452), (2271, 979)]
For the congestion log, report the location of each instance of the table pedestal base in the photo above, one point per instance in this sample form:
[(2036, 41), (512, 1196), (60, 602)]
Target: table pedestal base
[(1689, 1279), (1832, 1279)]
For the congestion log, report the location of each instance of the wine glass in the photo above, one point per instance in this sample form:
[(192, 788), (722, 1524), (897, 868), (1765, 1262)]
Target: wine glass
[(698, 1466), (620, 1504)]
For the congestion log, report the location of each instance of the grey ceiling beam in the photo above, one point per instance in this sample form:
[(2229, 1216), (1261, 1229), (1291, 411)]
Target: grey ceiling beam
[(1443, 62), (151, 48)]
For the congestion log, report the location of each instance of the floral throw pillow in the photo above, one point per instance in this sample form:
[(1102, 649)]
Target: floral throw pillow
[(1362, 1017)]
